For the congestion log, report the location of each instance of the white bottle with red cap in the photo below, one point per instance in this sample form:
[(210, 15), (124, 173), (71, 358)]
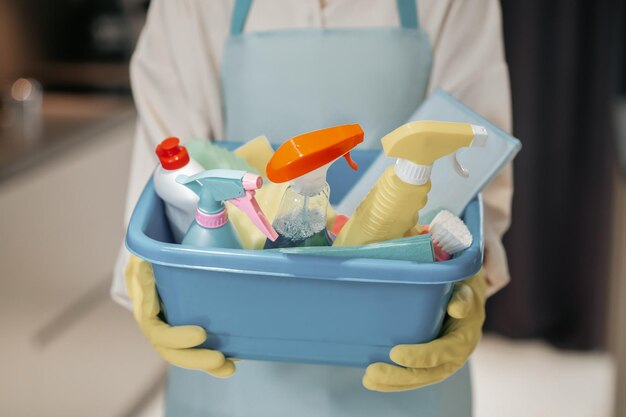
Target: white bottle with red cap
[(180, 202)]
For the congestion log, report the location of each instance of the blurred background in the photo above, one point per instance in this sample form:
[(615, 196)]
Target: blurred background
[(556, 336)]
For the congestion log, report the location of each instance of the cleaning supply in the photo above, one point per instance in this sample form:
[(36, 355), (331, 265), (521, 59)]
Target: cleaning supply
[(252, 156), (418, 248), (211, 155), (268, 197), (211, 287), (338, 223), (304, 160), (213, 187), (428, 363), (180, 203), (391, 207), (449, 190), (176, 344), (450, 235), (257, 153)]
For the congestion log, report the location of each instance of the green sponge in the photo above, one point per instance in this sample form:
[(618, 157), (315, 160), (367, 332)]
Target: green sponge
[(212, 156)]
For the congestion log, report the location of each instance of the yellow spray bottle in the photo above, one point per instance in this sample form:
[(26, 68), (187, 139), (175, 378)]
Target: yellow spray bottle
[(391, 208)]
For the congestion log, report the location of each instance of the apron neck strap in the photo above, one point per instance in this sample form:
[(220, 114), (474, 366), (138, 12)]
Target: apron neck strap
[(407, 10), (240, 15), (409, 17)]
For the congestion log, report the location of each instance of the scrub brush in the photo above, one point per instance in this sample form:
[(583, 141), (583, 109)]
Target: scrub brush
[(450, 235)]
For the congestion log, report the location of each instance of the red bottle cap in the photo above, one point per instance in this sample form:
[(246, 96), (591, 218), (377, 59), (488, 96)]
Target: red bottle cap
[(171, 154)]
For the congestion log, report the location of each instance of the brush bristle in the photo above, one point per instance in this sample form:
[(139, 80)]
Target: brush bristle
[(449, 232)]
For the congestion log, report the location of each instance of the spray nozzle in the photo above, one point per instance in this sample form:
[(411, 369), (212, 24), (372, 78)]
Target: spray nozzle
[(249, 205), (218, 185), (479, 141), (311, 151), (418, 145), (351, 162)]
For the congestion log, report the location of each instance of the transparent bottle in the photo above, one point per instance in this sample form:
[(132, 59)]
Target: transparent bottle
[(301, 217), (304, 160)]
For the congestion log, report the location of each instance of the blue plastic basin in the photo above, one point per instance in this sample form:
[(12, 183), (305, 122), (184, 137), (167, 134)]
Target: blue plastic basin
[(299, 308)]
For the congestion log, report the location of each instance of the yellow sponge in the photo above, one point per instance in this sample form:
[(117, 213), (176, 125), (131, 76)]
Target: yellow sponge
[(257, 152)]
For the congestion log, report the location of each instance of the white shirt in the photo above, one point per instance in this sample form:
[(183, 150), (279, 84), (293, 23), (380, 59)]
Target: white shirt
[(176, 83)]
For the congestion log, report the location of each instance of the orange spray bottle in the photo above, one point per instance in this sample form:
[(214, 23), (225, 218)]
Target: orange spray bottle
[(304, 160)]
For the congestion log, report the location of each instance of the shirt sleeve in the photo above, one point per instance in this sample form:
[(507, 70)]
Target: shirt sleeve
[(469, 63), (175, 85)]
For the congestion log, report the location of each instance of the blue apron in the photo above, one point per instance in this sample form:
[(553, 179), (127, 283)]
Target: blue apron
[(288, 82), (284, 83)]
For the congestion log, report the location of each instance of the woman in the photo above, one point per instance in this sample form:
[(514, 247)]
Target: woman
[(224, 70)]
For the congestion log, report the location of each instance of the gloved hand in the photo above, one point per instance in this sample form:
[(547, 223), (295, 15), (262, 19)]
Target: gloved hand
[(429, 363), (174, 343)]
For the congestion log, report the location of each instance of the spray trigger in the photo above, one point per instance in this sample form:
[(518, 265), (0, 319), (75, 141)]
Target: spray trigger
[(249, 205), (351, 162), (479, 141), (460, 169)]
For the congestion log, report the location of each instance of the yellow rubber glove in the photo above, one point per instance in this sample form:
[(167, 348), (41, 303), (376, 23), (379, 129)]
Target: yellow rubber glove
[(174, 343), (429, 363)]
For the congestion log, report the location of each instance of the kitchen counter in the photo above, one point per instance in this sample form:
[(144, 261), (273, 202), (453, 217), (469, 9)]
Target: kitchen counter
[(68, 120), (67, 349)]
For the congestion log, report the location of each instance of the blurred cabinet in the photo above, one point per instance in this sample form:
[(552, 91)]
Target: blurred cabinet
[(67, 349)]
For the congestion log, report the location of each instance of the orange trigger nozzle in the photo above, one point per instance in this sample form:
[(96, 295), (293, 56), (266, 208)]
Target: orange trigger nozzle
[(351, 162), (307, 152)]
